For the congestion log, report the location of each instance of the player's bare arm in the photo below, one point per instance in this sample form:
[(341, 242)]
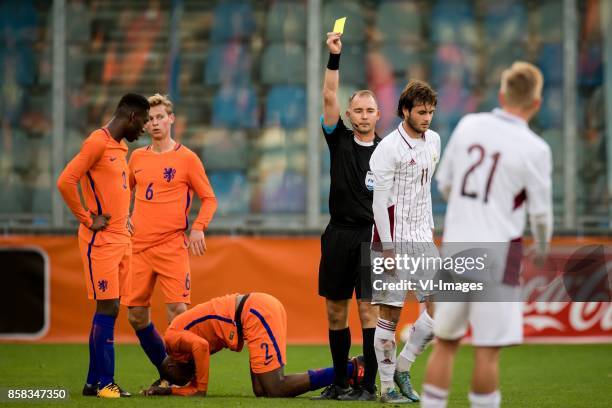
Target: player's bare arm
[(331, 108)]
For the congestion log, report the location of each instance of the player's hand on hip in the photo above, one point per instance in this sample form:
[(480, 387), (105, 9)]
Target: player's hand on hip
[(197, 242), (333, 43), (130, 226), (99, 222)]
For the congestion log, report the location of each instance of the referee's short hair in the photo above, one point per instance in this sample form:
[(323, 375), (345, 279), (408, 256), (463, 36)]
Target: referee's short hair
[(360, 93), (416, 93), (521, 84)]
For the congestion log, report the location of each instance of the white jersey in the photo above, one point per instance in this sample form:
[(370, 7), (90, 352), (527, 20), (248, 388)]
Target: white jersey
[(403, 168), (497, 170)]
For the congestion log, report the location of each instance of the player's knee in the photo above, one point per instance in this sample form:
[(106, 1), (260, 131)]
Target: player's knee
[(368, 314), (139, 319), (337, 315), (109, 307)]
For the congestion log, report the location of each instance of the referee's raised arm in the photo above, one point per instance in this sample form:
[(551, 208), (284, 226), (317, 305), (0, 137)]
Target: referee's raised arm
[(331, 108)]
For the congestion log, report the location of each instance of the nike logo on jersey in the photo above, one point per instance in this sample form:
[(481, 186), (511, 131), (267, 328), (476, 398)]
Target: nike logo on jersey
[(185, 294), (412, 162), (136, 171), (268, 361), (113, 158)]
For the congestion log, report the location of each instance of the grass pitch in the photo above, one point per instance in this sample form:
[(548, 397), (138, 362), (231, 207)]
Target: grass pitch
[(531, 376)]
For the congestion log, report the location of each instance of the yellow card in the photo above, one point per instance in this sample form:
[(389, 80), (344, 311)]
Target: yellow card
[(339, 25)]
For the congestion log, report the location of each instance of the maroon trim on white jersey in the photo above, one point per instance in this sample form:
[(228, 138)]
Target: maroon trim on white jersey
[(376, 236), (519, 199), (514, 259)]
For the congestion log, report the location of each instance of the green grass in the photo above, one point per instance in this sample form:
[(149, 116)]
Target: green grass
[(531, 376)]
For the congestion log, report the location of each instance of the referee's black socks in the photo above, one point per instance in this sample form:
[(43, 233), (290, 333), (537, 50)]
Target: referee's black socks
[(340, 345), (371, 363)]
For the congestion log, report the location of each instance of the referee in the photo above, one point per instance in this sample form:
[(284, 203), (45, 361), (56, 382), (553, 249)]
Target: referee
[(342, 269)]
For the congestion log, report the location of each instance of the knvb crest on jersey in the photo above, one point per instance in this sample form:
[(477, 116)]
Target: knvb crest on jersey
[(103, 285), (169, 173)]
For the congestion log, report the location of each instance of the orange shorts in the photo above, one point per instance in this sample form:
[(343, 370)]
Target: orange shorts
[(265, 331), (168, 263), (107, 269)]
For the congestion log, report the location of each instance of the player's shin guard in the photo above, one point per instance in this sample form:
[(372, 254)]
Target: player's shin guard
[(92, 374), (421, 335), (433, 397), (104, 347), (152, 344), (492, 400), (385, 348)]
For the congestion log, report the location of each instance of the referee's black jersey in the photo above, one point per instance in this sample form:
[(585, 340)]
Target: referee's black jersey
[(352, 184)]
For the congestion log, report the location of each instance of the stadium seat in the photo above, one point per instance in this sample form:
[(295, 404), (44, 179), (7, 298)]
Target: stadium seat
[(399, 22), (283, 64), (354, 31), (225, 149), (352, 66), (232, 191), (235, 108), (228, 63), (550, 61), (551, 112), (286, 21), (279, 148), (452, 21), (402, 58), (281, 192), (286, 107), (232, 19), (550, 22), (505, 21)]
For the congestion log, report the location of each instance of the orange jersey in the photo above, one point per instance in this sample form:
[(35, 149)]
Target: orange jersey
[(102, 170), (164, 184), (212, 326)]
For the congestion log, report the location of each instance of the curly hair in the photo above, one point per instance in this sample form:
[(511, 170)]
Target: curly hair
[(416, 93)]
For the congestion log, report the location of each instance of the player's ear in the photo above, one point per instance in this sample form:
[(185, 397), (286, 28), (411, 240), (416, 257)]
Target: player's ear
[(171, 117)]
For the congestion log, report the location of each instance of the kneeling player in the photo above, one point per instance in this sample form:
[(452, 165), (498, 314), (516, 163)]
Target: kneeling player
[(227, 322)]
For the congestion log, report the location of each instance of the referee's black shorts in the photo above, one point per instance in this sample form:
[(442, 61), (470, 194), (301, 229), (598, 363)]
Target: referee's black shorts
[(345, 263)]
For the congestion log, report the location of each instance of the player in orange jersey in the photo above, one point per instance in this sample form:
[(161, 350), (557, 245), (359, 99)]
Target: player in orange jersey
[(104, 240), (227, 322), (164, 176)]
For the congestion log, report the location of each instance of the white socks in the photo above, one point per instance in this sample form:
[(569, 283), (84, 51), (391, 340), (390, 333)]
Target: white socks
[(433, 397), (492, 400), (421, 335), (385, 348)]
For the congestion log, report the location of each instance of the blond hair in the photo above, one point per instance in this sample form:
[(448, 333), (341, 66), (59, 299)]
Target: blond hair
[(360, 93), (159, 99), (521, 85)]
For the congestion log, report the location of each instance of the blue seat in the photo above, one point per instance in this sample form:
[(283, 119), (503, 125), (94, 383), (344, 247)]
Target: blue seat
[(232, 191), (399, 22), (505, 21), (286, 107), (353, 71), (282, 192), (232, 19), (550, 61), (235, 108), (228, 63), (354, 30), (286, 21), (551, 112), (453, 21), (283, 64), (225, 149)]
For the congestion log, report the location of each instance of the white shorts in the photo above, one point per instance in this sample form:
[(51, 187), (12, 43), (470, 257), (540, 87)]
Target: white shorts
[(417, 275), (493, 324)]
